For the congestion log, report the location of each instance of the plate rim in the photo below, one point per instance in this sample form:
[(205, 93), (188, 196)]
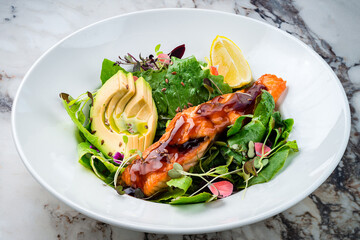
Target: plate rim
[(193, 230)]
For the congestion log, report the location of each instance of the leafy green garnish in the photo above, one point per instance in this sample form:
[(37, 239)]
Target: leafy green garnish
[(264, 108), (253, 131), (108, 69), (183, 88), (95, 161), (177, 85), (177, 187), (182, 183), (74, 108), (237, 125), (276, 162), (199, 198)]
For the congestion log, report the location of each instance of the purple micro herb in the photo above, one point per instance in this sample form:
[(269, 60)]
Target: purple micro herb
[(92, 147), (118, 157)]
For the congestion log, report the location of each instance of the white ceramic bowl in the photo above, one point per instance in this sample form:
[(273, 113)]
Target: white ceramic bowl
[(45, 136)]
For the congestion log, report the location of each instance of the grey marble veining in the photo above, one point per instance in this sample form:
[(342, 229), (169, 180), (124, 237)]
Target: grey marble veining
[(29, 28)]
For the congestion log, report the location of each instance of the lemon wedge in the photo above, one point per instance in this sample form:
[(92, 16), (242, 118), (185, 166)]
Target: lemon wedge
[(230, 61)]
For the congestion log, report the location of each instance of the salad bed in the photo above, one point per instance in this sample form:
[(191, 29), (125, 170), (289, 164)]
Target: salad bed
[(249, 152)]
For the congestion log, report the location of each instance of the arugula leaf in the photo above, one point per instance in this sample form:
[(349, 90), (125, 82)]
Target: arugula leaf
[(108, 69), (198, 198)]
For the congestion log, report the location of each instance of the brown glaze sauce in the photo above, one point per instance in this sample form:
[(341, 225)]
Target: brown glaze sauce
[(214, 113)]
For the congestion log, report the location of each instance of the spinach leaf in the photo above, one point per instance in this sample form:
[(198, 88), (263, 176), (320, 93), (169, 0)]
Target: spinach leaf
[(237, 125), (264, 108), (288, 123), (282, 133), (276, 162), (177, 187), (108, 69), (253, 131), (183, 183), (198, 198), (170, 193)]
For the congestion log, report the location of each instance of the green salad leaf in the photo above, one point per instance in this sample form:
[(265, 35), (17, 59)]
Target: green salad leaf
[(180, 86), (198, 198), (182, 183), (108, 69), (276, 162), (177, 187), (234, 156), (85, 153), (253, 131), (95, 161), (264, 108), (75, 111), (237, 125)]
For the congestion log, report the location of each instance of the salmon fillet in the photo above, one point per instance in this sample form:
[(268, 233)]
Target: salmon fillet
[(186, 139)]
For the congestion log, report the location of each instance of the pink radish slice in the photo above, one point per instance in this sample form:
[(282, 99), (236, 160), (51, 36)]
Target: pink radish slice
[(164, 58), (221, 189), (258, 149)]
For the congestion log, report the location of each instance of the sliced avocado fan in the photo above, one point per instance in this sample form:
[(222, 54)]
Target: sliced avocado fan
[(124, 115)]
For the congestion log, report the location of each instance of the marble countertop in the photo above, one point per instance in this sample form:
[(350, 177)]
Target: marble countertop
[(29, 28)]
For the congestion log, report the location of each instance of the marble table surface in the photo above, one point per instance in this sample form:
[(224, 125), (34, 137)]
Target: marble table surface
[(29, 28)]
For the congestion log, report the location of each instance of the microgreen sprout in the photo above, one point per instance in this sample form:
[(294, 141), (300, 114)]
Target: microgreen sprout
[(122, 165)]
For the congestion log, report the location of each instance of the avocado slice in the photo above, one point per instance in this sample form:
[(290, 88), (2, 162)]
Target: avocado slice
[(142, 108), (122, 107)]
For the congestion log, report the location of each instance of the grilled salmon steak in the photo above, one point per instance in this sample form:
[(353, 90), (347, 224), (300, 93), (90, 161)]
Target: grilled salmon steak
[(187, 137)]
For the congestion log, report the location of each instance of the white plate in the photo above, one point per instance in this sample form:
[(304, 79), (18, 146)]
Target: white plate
[(45, 135)]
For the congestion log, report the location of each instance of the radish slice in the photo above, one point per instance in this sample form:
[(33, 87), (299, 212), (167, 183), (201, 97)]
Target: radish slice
[(164, 58), (221, 189), (135, 78), (258, 149)]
